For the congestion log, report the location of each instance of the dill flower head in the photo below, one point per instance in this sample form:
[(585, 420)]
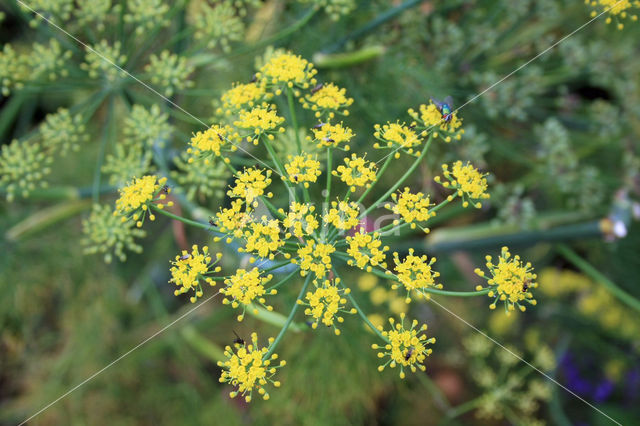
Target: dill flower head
[(399, 136), (147, 127), (247, 369), (263, 120), (300, 220), (357, 172), (325, 303), (468, 182), (96, 66), (216, 140), (23, 167), (190, 269), (430, 117), (127, 161), (92, 12), (617, 9), (105, 233), (250, 184), (332, 135), (48, 61), (412, 207), (326, 100), (263, 238), (13, 70), (314, 257), (405, 347), (415, 274), (146, 14), (303, 169), (511, 281), (54, 10), (169, 72), (288, 69), (199, 178), (233, 220), (343, 215), (366, 249), (218, 25), (62, 132), (242, 96), (245, 288), (136, 197)]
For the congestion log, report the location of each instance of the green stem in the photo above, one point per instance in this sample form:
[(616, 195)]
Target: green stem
[(378, 176), (592, 272), (273, 346), (284, 280), (294, 118), (201, 225), (279, 166), (106, 135), (402, 178)]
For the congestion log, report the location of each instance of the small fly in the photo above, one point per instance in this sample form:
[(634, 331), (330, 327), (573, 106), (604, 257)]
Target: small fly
[(408, 354), (319, 125), (445, 108), (212, 222), (238, 340), (317, 88), (185, 256)]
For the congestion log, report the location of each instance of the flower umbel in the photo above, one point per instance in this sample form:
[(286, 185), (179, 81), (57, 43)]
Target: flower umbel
[(366, 250), (303, 169), (136, 197), (314, 257), (356, 172), (468, 182), (415, 274), (325, 303), (191, 268), (245, 288), (250, 184), (412, 207)]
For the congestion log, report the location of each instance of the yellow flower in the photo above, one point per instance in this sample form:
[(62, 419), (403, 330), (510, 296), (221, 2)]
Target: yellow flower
[(343, 215), (263, 120), (138, 195), (242, 96), (327, 98), (315, 258), (213, 140), (332, 135), (415, 274), (357, 172), (246, 288), (325, 303), (288, 69), (366, 249), (247, 368), (412, 207), (300, 220), (511, 281), (190, 268), (467, 181), (303, 169), (250, 184), (616, 8), (398, 135), (263, 238), (233, 220), (405, 347), (430, 117)]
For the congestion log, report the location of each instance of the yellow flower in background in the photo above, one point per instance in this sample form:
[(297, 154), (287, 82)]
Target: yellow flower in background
[(262, 120), (415, 274), (250, 184), (213, 141), (247, 369), (303, 169), (412, 207), (292, 70), (325, 303), (191, 268), (300, 220), (405, 347), (136, 197), (467, 181), (366, 249), (314, 257), (357, 172), (244, 288), (332, 135), (511, 281), (343, 215), (242, 96)]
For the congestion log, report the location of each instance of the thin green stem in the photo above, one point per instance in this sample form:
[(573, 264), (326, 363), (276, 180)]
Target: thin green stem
[(106, 135), (282, 281), (378, 176), (294, 118), (596, 275), (279, 166), (273, 346), (201, 225), (327, 194)]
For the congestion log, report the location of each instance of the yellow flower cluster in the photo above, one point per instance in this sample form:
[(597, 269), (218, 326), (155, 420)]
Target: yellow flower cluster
[(242, 96), (343, 215), (292, 70), (332, 135), (303, 169), (511, 281), (415, 274), (213, 140), (244, 288), (430, 116), (357, 172), (467, 181), (314, 257), (619, 9), (263, 238), (412, 207), (247, 369), (263, 120), (300, 219), (366, 249), (325, 303), (138, 195), (327, 99), (250, 184), (406, 347), (398, 135), (233, 220), (189, 269)]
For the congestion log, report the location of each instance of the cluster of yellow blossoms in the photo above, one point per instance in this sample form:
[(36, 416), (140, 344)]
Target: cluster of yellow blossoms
[(617, 9), (315, 236)]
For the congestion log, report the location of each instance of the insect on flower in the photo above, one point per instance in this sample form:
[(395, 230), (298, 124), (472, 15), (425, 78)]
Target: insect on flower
[(238, 340), (445, 108), (409, 353), (317, 87)]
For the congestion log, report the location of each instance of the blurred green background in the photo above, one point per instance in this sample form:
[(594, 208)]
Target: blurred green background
[(559, 137)]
